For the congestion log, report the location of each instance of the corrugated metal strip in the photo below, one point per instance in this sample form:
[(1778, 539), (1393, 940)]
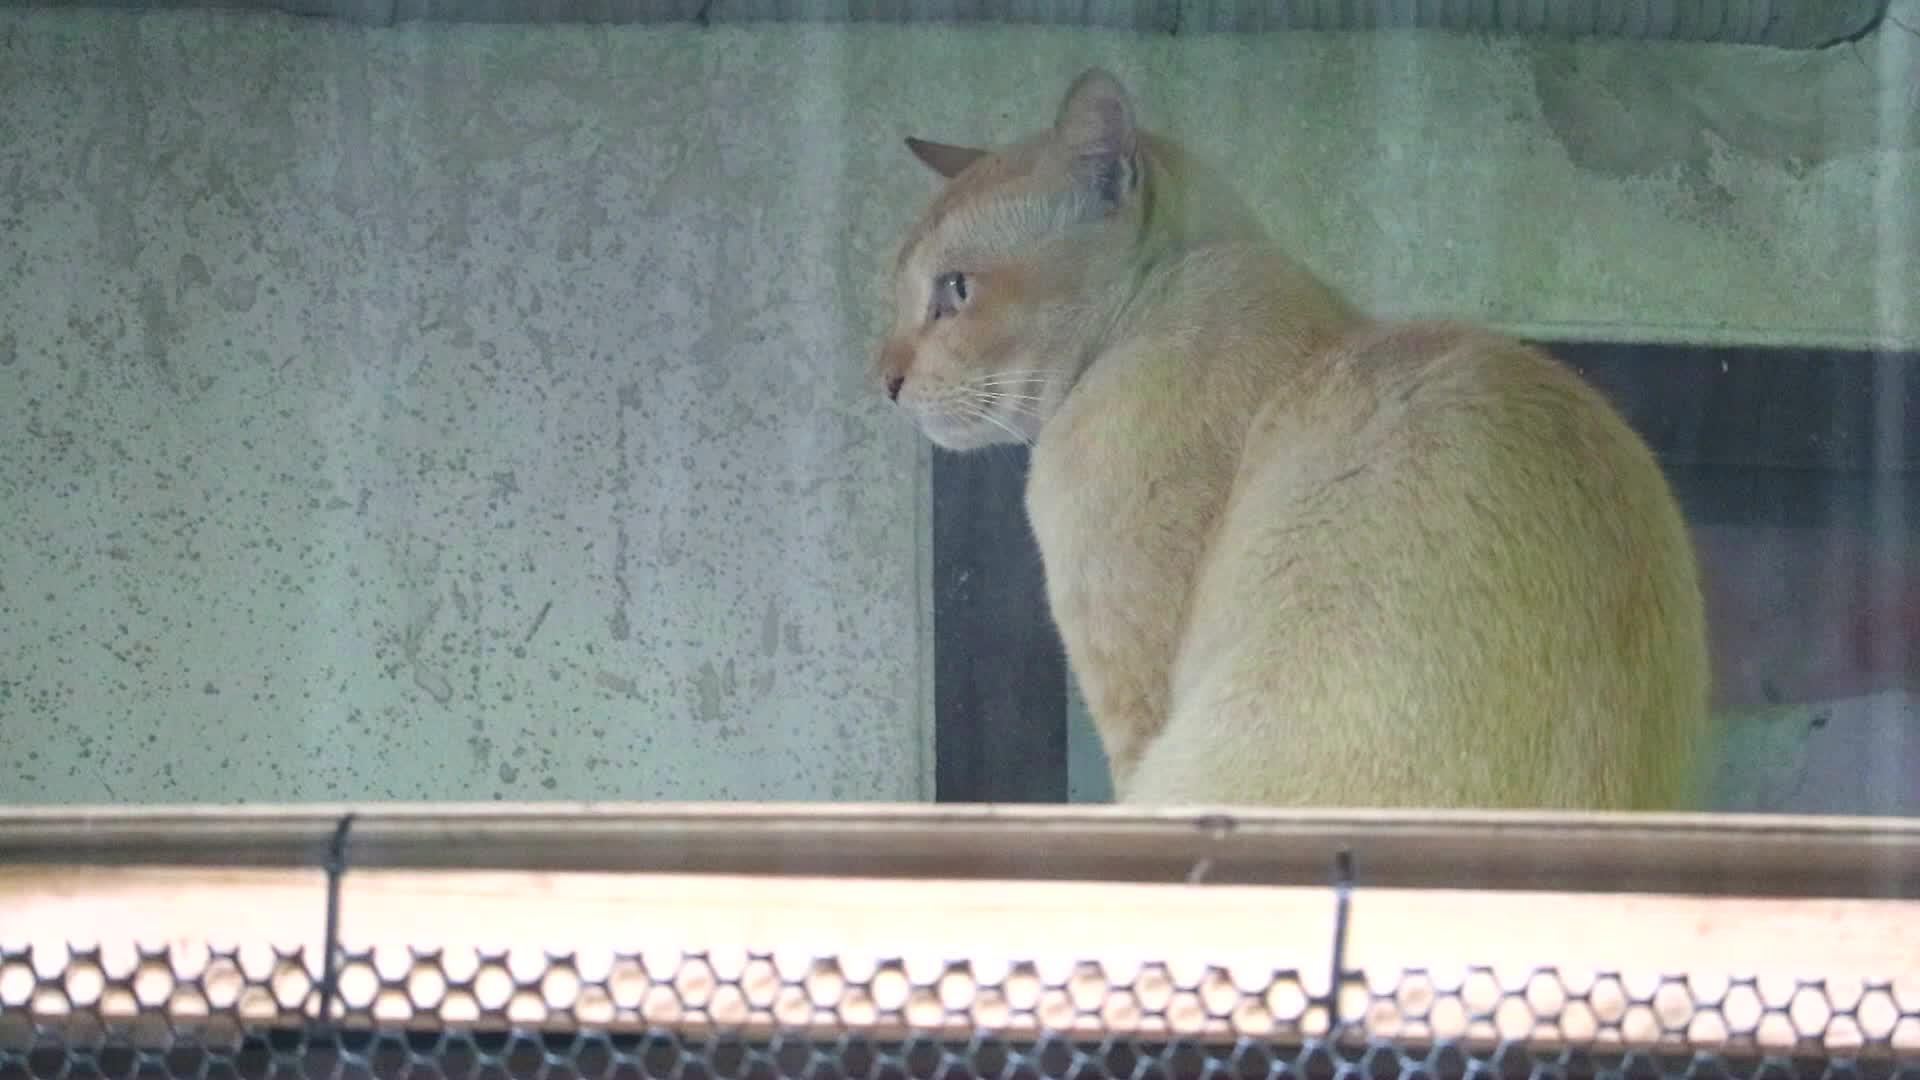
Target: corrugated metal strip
[(1787, 24)]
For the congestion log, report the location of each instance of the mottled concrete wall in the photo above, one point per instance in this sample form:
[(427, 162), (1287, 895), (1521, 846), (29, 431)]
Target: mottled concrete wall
[(420, 415), (477, 412)]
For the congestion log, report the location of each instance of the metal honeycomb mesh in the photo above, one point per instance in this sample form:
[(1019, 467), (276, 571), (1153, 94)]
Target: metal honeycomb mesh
[(260, 1013)]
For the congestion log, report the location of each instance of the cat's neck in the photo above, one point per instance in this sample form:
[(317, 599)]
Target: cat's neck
[(1200, 264), (1203, 257), (1189, 205)]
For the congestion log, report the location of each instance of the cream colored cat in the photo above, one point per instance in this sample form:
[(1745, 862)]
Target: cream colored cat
[(1298, 556)]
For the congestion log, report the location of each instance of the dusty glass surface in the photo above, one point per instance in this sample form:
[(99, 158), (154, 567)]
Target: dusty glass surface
[(482, 411)]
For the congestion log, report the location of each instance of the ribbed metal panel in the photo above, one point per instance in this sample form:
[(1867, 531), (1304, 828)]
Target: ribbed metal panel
[(1787, 24), (1795, 24)]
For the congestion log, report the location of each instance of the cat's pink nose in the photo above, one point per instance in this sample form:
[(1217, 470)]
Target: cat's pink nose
[(894, 383)]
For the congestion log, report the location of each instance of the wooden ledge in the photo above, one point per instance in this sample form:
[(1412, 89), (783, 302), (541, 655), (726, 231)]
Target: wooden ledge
[(1705, 854)]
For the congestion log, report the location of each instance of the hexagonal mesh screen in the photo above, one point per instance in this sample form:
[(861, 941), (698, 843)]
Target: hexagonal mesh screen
[(259, 1013)]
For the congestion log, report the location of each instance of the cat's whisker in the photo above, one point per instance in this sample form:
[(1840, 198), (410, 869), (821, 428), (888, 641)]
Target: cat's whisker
[(1027, 402), (978, 413), (1021, 408), (1018, 410), (1008, 428), (1016, 380), (1025, 417), (969, 408), (993, 396)]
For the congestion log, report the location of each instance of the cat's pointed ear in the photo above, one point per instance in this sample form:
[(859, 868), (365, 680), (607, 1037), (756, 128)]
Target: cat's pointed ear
[(948, 161), (1095, 125)]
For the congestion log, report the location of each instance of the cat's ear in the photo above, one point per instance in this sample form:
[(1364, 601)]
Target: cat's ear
[(948, 161), (1095, 125)]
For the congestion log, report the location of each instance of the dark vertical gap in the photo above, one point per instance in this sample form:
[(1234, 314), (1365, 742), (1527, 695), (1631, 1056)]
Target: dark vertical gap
[(1766, 436), (999, 672)]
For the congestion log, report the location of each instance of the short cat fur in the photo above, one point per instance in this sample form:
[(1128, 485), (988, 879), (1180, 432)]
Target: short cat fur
[(1298, 556)]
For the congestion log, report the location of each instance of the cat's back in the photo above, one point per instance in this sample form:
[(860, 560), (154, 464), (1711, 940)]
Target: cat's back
[(1439, 537), (1400, 393)]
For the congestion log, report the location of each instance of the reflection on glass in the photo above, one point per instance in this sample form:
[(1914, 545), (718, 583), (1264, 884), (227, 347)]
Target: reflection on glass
[(454, 410)]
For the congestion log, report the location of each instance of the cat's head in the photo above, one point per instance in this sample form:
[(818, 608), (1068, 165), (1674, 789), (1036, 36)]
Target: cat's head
[(1013, 269)]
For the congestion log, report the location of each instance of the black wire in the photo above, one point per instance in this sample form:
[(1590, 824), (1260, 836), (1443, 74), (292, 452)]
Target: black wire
[(336, 868), (1342, 904)]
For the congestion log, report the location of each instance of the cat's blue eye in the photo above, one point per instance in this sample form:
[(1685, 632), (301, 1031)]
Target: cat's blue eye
[(949, 292)]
